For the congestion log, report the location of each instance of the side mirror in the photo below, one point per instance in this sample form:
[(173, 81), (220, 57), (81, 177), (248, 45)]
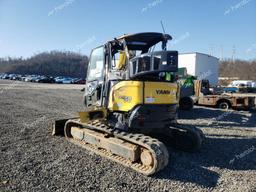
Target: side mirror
[(122, 60)]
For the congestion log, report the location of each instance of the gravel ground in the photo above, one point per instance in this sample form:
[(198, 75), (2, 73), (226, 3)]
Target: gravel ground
[(33, 160)]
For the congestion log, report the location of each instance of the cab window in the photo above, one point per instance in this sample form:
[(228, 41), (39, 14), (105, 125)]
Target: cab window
[(96, 65)]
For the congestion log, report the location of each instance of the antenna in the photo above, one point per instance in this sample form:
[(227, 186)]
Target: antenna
[(162, 26), (164, 42)]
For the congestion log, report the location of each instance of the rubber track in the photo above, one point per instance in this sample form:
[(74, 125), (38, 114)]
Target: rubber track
[(157, 148)]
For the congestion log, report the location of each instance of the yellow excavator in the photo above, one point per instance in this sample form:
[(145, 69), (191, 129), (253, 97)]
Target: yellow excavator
[(131, 97)]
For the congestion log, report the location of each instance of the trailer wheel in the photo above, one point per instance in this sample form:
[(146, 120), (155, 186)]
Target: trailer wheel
[(223, 105)]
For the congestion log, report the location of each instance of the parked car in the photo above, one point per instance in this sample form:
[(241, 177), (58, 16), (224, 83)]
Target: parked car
[(79, 81), (16, 77), (46, 80), (12, 76), (31, 78), (231, 89), (35, 78), (6, 76), (59, 79), (67, 80), (28, 78), (23, 78), (74, 79), (1, 75)]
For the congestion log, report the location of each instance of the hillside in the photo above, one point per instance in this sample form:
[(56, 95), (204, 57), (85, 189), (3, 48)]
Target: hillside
[(53, 63), (244, 70), (57, 63)]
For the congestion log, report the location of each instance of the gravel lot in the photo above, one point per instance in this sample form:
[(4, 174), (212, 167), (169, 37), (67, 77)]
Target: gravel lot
[(33, 160)]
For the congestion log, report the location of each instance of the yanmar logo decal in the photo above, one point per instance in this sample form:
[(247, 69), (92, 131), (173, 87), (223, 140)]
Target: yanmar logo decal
[(163, 92), (126, 99)]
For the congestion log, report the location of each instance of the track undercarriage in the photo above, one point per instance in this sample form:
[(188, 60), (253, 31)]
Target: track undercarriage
[(140, 152)]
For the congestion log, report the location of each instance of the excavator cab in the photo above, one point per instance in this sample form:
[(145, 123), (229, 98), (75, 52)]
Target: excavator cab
[(125, 76)]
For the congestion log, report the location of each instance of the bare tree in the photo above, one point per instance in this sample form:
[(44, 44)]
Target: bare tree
[(54, 63)]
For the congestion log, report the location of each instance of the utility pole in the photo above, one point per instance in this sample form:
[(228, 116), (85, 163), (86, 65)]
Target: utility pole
[(221, 53), (233, 53)]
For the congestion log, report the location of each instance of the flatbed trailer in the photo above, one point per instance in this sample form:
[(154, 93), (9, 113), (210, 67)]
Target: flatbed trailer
[(224, 101), (227, 101)]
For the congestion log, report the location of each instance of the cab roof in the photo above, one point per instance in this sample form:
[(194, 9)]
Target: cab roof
[(143, 41)]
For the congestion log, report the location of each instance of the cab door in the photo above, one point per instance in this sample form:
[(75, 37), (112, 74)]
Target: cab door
[(95, 78)]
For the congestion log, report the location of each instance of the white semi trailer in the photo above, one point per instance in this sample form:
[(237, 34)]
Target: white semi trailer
[(201, 65)]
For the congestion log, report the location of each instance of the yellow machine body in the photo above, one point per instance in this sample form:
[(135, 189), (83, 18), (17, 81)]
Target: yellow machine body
[(125, 95)]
